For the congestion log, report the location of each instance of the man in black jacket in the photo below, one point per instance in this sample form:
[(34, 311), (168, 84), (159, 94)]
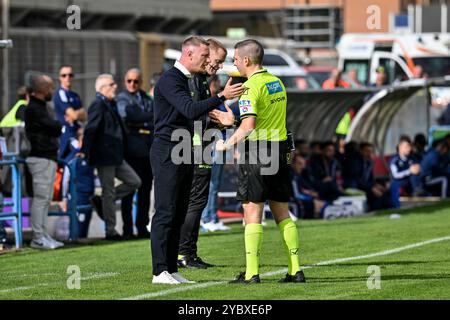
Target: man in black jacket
[(174, 109), (104, 143), (136, 109), (202, 171), (42, 131)]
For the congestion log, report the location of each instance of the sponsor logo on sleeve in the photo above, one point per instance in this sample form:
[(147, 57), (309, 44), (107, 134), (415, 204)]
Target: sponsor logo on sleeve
[(274, 87)]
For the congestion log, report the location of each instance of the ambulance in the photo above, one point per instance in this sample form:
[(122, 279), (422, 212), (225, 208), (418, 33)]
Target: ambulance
[(403, 56)]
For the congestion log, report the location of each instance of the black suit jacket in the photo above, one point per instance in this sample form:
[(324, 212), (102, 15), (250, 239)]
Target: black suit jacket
[(138, 121), (104, 138)]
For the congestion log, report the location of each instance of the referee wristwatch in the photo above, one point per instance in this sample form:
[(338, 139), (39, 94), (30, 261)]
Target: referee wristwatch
[(221, 96)]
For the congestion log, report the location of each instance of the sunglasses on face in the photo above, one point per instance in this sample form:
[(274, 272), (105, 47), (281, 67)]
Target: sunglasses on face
[(133, 81), (70, 75)]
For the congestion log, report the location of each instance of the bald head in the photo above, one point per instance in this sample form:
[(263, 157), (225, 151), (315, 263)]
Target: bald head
[(133, 80), (42, 87)]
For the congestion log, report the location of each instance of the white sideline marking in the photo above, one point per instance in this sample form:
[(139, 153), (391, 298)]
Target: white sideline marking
[(97, 275), (284, 270)]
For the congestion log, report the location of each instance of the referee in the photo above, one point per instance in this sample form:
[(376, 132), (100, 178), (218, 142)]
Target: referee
[(174, 109), (263, 127)]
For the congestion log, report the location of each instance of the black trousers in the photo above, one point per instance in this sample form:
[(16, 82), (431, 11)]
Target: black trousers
[(143, 169), (172, 188), (197, 202)]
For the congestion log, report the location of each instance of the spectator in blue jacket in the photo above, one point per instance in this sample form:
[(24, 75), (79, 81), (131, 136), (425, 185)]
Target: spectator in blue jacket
[(435, 171), (69, 109), (404, 171)]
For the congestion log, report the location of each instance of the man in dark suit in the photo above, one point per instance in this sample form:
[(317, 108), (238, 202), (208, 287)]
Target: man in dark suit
[(104, 144), (174, 111), (136, 109)]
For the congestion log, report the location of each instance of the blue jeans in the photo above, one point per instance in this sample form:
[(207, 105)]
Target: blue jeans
[(209, 214), (412, 183)]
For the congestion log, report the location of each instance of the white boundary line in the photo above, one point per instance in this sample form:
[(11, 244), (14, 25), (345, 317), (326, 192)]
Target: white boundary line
[(282, 271)]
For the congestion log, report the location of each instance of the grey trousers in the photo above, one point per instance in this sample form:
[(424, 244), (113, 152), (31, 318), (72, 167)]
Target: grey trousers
[(43, 172), (130, 182)]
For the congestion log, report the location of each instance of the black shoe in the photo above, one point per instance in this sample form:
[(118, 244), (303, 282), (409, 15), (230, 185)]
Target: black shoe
[(114, 237), (241, 279), (200, 261), (127, 237), (96, 202), (189, 262), (299, 277), (143, 235)]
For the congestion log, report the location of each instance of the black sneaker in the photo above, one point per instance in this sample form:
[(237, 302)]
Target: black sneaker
[(200, 261), (189, 262), (299, 277), (114, 237), (96, 202), (127, 237), (143, 235), (241, 279)]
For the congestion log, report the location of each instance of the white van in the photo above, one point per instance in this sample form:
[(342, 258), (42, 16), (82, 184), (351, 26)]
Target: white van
[(398, 54)]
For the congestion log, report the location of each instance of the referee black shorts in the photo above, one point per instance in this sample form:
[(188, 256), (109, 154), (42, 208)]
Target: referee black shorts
[(254, 184)]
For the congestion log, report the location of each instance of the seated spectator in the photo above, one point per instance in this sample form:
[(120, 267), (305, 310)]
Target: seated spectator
[(352, 166), (85, 186), (302, 148), (323, 171), (306, 199), (435, 167), (419, 147), (404, 171), (340, 149), (314, 149), (378, 195)]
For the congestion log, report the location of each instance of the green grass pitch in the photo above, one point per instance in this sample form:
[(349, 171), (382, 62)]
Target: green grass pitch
[(123, 270)]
